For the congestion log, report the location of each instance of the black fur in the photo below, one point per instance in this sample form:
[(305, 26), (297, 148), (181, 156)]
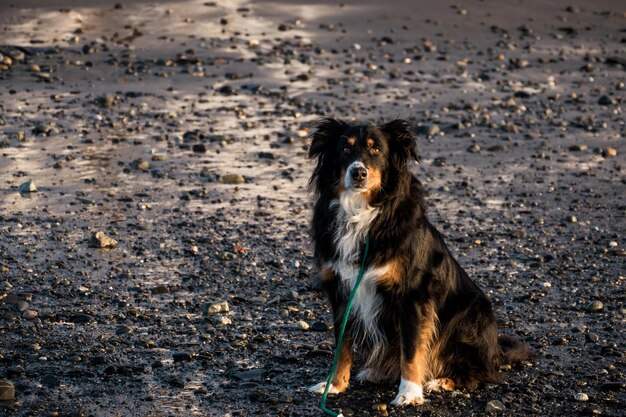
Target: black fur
[(468, 350)]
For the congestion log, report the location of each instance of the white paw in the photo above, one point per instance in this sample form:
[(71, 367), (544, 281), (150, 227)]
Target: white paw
[(319, 388), (369, 375), (409, 393)]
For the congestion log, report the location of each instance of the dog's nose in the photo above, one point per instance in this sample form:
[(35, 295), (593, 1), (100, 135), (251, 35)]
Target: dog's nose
[(358, 173)]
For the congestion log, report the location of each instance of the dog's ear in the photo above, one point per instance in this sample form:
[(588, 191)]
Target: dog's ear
[(327, 132), (323, 143), (401, 139)]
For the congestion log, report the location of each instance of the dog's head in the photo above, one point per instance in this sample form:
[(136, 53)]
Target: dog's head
[(360, 158)]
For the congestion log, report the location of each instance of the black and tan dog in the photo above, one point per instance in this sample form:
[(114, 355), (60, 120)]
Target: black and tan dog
[(417, 316)]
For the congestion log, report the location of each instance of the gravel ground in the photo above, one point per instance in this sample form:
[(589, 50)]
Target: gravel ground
[(163, 266)]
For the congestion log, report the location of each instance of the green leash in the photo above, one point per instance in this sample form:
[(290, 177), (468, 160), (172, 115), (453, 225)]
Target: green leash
[(342, 331)]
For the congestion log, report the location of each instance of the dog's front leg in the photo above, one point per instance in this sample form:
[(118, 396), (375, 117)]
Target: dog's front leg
[(341, 378), (417, 330)]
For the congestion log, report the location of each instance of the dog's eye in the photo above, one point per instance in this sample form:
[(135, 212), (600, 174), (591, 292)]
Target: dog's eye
[(375, 151), (347, 150)]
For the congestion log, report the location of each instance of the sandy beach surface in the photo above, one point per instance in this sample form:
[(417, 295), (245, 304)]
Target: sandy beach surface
[(163, 266)]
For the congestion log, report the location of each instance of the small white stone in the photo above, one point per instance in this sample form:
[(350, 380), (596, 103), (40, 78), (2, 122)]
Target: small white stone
[(581, 396), (303, 325)]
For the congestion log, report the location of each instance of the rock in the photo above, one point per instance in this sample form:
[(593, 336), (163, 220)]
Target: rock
[(51, 381), (141, 164), (219, 307), (592, 338), (28, 187), (578, 148), (181, 356), (20, 305), (606, 101), (497, 148), (495, 406), (380, 407), (320, 326), (199, 148), (101, 240), (232, 179), (266, 155), (7, 390), (440, 162), (474, 148), (519, 233), (595, 305), (30, 314), (608, 152), (581, 396), (302, 325), (221, 320), (571, 219)]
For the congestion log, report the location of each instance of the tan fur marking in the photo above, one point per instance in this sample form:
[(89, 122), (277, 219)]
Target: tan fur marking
[(341, 378), (351, 141), (374, 182), (370, 143), (394, 274), (417, 369), (447, 384)]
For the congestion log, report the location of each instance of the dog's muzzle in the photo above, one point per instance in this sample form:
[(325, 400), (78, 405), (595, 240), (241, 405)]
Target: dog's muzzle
[(356, 176)]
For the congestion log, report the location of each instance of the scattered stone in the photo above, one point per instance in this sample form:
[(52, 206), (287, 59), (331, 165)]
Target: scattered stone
[(474, 148), (141, 164), (440, 162), (199, 148), (302, 325), (581, 396), (320, 326), (571, 219), (606, 101), (497, 148), (595, 305), (495, 406), (28, 187), (232, 179), (592, 338), (519, 234), (381, 408), (608, 152), (578, 148), (30, 314), (101, 240), (181, 356), (219, 307), (7, 390)]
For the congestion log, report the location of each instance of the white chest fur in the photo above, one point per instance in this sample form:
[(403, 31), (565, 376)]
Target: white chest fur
[(354, 219)]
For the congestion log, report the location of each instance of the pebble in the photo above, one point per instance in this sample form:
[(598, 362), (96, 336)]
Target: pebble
[(221, 320), (141, 164), (613, 386), (101, 240), (219, 307), (7, 390), (578, 148), (581, 396), (232, 179), (606, 101), (595, 305), (474, 148), (30, 314), (608, 152), (571, 219), (320, 326), (495, 406), (181, 356), (302, 325), (28, 187), (381, 408)]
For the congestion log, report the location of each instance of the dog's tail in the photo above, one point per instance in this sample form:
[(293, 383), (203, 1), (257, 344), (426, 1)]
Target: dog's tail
[(514, 351)]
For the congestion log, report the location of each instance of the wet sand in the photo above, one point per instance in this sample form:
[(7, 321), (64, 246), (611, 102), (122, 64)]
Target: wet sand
[(180, 129)]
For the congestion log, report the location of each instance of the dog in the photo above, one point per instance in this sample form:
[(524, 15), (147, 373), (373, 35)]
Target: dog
[(416, 315)]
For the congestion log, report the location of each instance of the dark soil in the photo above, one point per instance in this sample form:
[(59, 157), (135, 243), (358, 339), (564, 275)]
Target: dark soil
[(179, 130)]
